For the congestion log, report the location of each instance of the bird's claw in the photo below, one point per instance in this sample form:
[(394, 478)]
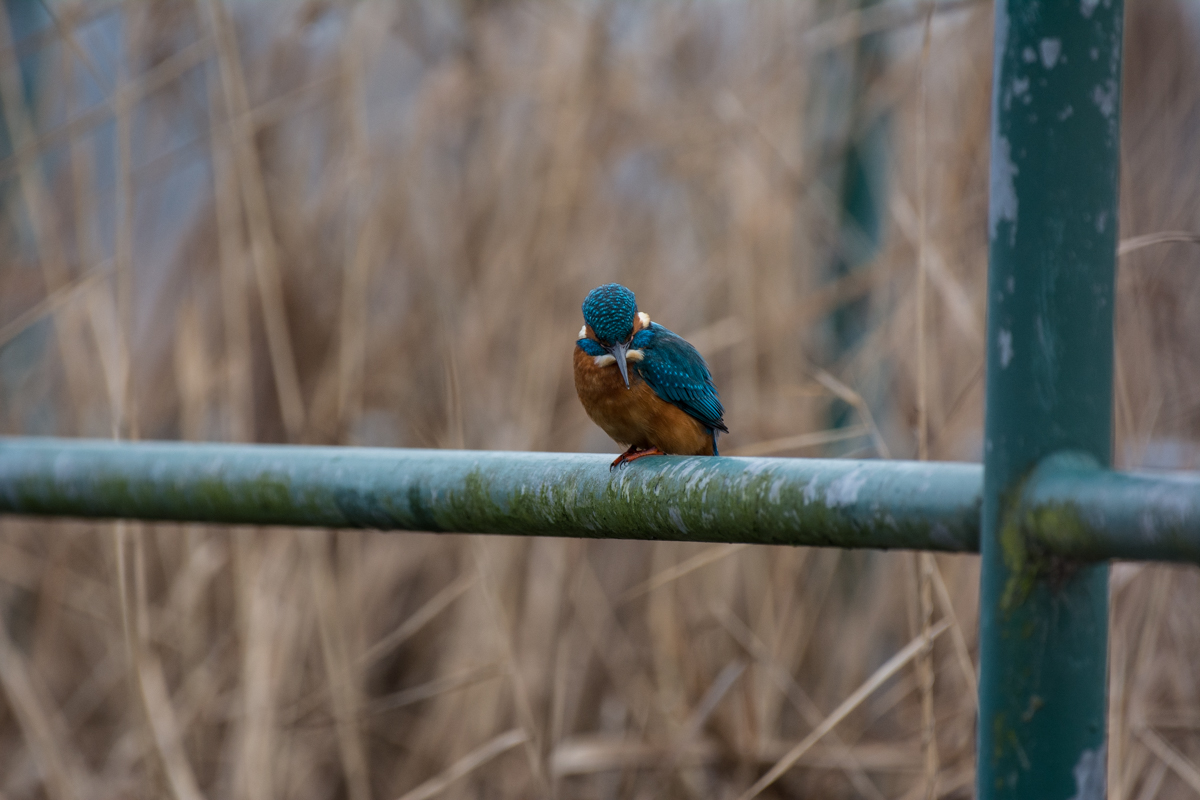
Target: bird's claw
[(633, 454)]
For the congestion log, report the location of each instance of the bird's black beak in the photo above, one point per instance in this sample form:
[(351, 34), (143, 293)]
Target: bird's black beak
[(618, 352)]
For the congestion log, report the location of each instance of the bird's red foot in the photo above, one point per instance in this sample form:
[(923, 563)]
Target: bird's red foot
[(633, 454)]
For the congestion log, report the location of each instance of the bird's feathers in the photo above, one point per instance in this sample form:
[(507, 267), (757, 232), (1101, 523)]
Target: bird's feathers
[(673, 369), (677, 373), (610, 310), (591, 347), (635, 415)]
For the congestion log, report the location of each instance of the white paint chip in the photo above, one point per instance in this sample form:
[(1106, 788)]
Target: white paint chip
[(1029, 55), (1065, 114), (1105, 97), (1051, 49), (1004, 342), (1090, 780), (844, 490), (1002, 204), (1088, 7)]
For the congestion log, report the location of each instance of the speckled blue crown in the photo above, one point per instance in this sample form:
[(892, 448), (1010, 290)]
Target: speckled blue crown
[(610, 310)]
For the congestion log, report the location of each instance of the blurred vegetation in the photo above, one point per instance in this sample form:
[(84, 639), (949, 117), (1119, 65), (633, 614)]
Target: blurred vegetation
[(373, 223)]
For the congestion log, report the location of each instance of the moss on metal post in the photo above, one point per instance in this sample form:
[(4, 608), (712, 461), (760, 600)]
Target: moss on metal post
[(1052, 234), (828, 503), (1071, 509)]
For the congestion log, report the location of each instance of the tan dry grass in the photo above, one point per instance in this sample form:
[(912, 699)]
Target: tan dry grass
[(373, 224)]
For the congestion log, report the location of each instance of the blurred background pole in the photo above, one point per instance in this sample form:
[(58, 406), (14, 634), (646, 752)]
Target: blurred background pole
[(855, 136), (1052, 225)]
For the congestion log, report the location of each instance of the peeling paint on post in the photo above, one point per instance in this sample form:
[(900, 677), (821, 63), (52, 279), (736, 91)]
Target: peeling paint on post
[(1052, 229)]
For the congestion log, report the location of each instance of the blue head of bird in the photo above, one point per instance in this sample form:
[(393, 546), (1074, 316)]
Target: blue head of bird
[(611, 312)]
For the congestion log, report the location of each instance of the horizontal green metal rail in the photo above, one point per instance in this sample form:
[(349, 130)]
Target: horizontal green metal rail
[(1073, 509), (1069, 508), (871, 504)]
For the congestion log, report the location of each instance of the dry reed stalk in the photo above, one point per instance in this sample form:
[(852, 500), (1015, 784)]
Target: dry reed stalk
[(83, 197), (801, 441), (62, 773), (192, 373), (923, 562), (500, 630), (364, 223), (1153, 782), (961, 652), (52, 303), (1134, 243), (1182, 766), (924, 664), (890, 668), (799, 699), (669, 673), (787, 601), (43, 219), (1130, 661), (167, 733), (340, 670), (419, 619), (427, 691), (235, 306), (467, 764), (272, 614), (615, 651), (677, 571), (158, 731), (125, 421), (848, 395), (591, 754), (263, 246)]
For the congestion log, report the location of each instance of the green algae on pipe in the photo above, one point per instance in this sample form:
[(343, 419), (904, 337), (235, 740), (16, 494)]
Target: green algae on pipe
[(1072, 509), (831, 503)]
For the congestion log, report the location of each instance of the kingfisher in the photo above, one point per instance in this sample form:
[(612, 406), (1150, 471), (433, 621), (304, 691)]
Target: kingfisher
[(645, 386)]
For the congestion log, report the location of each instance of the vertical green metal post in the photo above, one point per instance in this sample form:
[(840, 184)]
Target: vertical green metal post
[(1052, 226)]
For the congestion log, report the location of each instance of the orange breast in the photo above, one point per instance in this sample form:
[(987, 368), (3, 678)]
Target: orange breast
[(636, 416)]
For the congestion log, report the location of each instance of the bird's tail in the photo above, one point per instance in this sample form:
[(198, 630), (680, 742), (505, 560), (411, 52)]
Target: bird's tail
[(713, 431)]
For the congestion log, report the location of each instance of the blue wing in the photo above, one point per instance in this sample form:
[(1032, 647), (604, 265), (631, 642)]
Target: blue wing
[(677, 373)]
